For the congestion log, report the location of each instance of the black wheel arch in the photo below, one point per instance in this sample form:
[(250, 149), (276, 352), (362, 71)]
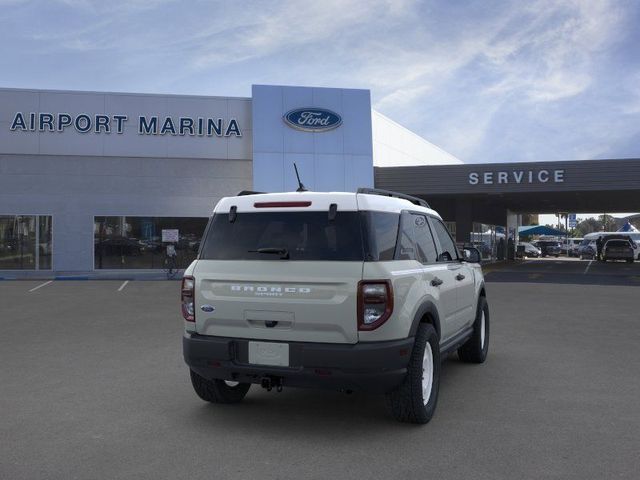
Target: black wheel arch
[(427, 313), (483, 292)]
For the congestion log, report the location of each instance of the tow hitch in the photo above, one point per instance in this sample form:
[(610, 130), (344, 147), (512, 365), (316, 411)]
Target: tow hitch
[(271, 382)]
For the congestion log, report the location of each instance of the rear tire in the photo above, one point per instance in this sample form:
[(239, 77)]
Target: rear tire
[(475, 349), (218, 391), (414, 401)]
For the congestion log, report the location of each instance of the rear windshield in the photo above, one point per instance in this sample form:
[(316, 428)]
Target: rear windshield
[(302, 235), (351, 236), (618, 243)]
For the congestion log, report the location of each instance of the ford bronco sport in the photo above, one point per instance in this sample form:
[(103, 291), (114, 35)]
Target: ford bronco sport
[(357, 291)]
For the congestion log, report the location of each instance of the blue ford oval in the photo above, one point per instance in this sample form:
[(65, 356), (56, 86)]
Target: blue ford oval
[(312, 119)]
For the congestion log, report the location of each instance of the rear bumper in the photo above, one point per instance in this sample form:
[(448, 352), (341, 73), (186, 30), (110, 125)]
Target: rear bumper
[(371, 367), (618, 256)]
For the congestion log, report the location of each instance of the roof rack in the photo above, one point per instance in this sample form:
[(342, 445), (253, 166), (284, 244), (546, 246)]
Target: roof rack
[(388, 193), (248, 192)]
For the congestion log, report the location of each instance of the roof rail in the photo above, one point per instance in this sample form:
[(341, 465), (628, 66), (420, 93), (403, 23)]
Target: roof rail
[(248, 192), (388, 193)]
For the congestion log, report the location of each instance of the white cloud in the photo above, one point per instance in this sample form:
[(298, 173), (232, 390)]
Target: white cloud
[(541, 52), (551, 58), (448, 72), (259, 32)]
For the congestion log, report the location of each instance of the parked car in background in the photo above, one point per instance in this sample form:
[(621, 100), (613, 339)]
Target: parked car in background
[(619, 249), (593, 238), (635, 236), (530, 250), (570, 246), (587, 249), (549, 248)]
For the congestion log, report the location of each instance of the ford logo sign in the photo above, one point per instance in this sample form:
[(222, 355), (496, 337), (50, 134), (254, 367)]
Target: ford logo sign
[(207, 308), (312, 119)]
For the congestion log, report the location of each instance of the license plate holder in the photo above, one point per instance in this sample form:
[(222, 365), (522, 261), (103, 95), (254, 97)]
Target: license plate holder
[(269, 353)]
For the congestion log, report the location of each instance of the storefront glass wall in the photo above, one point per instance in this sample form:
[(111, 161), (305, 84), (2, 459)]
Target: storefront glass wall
[(136, 242), (25, 242), (490, 240)]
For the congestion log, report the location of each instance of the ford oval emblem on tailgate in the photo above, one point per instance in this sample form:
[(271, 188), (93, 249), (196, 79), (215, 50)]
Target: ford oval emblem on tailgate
[(207, 308)]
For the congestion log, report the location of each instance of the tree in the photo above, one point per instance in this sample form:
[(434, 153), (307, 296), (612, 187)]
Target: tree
[(588, 225), (608, 223)]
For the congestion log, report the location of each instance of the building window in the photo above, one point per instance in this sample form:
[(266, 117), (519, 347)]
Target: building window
[(136, 242), (451, 226), (490, 240), (25, 242)]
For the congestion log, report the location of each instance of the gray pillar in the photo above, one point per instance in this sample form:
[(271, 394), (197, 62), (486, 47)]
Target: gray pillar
[(513, 222), (73, 242), (464, 221)]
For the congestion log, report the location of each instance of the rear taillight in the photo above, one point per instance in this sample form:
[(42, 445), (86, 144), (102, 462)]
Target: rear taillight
[(187, 299), (375, 303)]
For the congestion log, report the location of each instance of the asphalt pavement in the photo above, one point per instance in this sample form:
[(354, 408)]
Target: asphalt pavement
[(93, 386), (565, 270)]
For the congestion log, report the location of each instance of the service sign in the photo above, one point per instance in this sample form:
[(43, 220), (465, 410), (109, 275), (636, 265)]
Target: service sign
[(516, 177), (312, 119)]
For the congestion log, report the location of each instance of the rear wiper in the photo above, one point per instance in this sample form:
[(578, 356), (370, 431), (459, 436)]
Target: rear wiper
[(283, 252)]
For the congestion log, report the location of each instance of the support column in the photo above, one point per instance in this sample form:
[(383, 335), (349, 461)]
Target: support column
[(513, 222), (464, 221)]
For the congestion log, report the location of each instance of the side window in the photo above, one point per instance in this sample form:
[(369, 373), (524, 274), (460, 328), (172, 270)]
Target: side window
[(406, 242), (426, 248), (448, 252), (380, 234)]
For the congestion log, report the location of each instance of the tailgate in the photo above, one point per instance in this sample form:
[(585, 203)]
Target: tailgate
[(301, 301)]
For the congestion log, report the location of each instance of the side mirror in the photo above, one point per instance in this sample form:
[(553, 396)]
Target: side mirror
[(471, 255)]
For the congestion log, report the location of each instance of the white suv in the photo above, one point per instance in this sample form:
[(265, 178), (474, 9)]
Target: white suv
[(350, 291)]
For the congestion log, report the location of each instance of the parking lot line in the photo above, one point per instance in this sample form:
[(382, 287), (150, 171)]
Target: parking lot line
[(123, 285), (588, 266), (41, 285)]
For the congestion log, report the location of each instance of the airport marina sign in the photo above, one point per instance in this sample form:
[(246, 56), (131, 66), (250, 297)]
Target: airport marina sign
[(516, 177), (116, 123)]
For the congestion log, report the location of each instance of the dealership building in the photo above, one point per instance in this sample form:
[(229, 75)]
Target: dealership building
[(95, 183)]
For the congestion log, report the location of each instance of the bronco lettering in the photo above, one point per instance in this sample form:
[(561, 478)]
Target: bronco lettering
[(269, 289)]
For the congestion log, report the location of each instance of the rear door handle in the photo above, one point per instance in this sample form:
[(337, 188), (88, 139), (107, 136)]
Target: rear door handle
[(436, 282), (459, 277)]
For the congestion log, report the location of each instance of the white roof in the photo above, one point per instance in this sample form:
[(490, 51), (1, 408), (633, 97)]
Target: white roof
[(397, 146), (319, 201)]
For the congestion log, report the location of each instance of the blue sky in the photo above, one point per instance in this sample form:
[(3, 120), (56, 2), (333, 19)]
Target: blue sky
[(484, 80)]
